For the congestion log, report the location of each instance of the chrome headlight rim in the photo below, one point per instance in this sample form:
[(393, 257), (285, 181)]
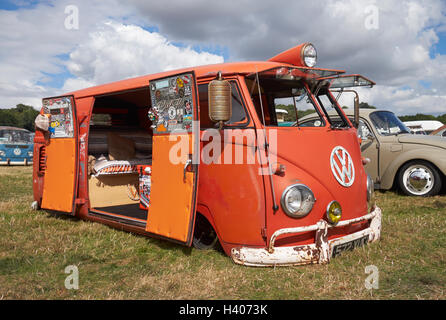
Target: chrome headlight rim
[(296, 214), (308, 59)]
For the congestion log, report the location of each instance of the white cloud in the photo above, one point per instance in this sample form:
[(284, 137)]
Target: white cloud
[(116, 51), (397, 55), (34, 39)]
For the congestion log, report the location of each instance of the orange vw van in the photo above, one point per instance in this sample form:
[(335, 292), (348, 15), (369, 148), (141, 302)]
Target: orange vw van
[(200, 155)]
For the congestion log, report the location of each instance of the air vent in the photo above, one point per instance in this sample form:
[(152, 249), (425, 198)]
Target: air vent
[(42, 159)]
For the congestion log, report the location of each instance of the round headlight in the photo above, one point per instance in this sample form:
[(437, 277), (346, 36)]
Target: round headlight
[(297, 200), (30, 153), (334, 212), (309, 55), (2, 153)]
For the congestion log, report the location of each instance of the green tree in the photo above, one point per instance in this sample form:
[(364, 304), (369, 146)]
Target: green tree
[(365, 105), (22, 116), (417, 117)]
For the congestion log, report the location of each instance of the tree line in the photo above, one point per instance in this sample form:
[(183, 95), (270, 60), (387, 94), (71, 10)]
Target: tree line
[(416, 117), (22, 116), (362, 105)]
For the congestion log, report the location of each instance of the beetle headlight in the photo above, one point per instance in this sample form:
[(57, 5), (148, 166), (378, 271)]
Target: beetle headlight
[(334, 212), (297, 200), (30, 153), (2, 153), (309, 55)]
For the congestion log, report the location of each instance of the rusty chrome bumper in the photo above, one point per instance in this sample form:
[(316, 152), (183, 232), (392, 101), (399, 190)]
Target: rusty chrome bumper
[(320, 251)]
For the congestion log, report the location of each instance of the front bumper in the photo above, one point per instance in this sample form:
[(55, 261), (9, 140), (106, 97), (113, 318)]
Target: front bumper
[(13, 161), (321, 251)]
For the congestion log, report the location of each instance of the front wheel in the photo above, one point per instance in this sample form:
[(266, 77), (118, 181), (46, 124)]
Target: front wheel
[(205, 237), (419, 178)]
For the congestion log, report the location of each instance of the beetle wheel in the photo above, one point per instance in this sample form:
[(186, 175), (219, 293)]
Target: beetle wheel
[(419, 178), (205, 237)]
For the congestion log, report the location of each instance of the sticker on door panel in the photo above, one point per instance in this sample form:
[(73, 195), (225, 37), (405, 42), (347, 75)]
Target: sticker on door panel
[(172, 104)]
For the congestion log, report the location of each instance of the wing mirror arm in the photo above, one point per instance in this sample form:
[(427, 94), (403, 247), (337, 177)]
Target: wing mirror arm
[(356, 107), (355, 104)]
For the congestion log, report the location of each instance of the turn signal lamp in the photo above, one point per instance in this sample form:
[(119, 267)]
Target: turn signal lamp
[(334, 213)]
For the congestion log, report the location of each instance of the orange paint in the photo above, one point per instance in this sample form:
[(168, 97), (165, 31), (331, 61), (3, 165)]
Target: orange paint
[(172, 197), (58, 187), (244, 207)]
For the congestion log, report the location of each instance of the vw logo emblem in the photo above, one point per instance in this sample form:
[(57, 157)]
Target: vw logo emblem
[(17, 151), (342, 166)]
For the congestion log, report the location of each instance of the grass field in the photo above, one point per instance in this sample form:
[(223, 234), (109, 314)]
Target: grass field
[(36, 247)]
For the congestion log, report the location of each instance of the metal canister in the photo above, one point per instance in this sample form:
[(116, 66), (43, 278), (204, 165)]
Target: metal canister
[(220, 100)]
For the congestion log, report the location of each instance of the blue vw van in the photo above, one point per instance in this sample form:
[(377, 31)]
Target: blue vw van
[(16, 146)]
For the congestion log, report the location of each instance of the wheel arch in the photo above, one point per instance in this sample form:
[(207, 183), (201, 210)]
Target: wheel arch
[(204, 211), (389, 177)]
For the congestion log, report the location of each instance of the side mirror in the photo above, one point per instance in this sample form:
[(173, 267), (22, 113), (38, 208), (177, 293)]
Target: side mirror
[(370, 136), (220, 100), (366, 136)]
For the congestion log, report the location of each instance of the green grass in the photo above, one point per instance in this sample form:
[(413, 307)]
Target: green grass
[(36, 246)]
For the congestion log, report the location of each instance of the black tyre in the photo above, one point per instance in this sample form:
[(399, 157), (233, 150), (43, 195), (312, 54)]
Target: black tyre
[(419, 178), (205, 237)]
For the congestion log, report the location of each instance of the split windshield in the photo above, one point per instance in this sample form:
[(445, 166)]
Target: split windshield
[(387, 123), (282, 98)]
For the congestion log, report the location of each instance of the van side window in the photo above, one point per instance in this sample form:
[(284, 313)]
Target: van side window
[(283, 106), (239, 116)]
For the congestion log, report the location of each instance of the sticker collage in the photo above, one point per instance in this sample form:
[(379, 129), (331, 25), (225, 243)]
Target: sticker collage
[(172, 104)]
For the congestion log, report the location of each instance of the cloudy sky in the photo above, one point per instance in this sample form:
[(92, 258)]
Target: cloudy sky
[(50, 47)]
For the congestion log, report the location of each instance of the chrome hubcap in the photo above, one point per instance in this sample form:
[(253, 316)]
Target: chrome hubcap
[(418, 179)]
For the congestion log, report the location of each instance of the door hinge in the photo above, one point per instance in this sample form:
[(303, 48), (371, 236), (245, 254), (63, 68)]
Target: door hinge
[(80, 201)]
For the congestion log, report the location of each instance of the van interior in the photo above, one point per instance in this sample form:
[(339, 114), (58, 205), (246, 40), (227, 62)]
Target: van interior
[(119, 149)]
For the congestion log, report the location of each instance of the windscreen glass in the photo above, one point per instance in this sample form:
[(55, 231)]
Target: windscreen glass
[(387, 123), (15, 136), (282, 99)]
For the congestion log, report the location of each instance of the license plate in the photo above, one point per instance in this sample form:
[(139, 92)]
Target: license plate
[(337, 249)]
